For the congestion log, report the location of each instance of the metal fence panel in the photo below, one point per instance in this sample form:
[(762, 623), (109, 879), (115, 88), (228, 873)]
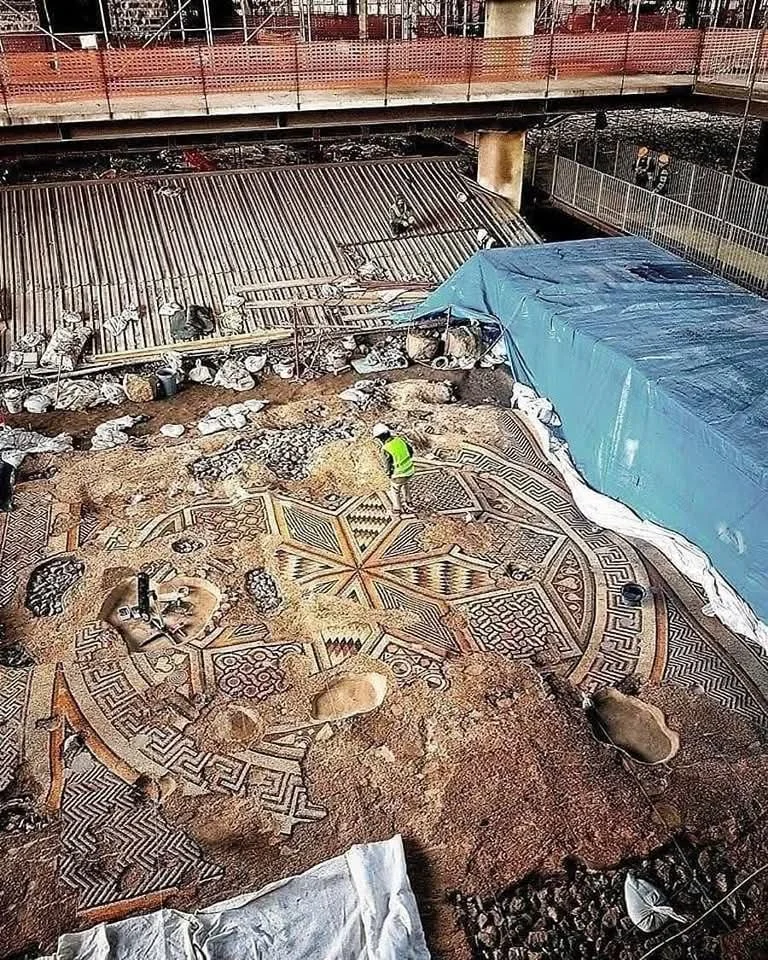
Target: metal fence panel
[(731, 249)]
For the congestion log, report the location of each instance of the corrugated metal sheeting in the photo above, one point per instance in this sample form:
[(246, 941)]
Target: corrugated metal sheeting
[(96, 247)]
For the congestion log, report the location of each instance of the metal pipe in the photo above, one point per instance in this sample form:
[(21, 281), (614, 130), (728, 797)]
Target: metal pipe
[(637, 16), (103, 17), (208, 24), (182, 27), (752, 14), (167, 23), (245, 21)]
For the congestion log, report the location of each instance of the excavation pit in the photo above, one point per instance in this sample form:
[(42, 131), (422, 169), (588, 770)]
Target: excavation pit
[(350, 696), (637, 728), (181, 625)]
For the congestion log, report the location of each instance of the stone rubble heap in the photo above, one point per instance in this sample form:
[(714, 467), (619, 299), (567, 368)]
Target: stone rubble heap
[(583, 915), (50, 582), (262, 589), (286, 452)]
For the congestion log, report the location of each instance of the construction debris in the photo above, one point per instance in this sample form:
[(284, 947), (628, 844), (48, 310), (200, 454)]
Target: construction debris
[(16, 443), (584, 913), (67, 343), (112, 433), (287, 453), (233, 375), (366, 394), (387, 355), (231, 320), (138, 389), (26, 353)]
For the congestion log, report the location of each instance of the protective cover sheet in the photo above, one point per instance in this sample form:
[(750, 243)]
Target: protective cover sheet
[(356, 907), (658, 371)]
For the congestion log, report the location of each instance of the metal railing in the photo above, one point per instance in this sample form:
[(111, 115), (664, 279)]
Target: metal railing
[(742, 203), (727, 248)]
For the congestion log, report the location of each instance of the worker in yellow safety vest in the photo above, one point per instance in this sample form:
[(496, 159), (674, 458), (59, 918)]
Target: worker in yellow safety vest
[(399, 458)]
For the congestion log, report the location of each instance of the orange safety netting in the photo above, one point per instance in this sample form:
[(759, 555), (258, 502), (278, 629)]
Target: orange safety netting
[(163, 73)]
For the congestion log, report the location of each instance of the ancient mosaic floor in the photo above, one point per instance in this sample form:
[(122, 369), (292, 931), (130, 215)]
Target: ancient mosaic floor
[(547, 589)]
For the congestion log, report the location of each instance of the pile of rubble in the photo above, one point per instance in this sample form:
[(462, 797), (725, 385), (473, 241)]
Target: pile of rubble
[(615, 914), (49, 583), (287, 452), (703, 138)]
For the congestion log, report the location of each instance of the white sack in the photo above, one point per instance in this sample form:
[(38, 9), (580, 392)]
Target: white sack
[(359, 906)]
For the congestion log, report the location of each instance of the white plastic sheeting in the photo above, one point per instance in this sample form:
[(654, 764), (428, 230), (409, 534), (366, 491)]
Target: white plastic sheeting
[(356, 907), (724, 602)]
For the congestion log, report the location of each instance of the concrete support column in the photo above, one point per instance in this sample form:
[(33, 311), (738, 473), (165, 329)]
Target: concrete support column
[(500, 159), (510, 18), (760, 165)]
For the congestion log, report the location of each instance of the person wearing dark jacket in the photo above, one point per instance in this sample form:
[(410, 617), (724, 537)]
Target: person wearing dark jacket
[(644, 168), (661, 180)]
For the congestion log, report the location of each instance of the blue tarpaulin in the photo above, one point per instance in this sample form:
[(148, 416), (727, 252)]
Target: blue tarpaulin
[(658, 371)]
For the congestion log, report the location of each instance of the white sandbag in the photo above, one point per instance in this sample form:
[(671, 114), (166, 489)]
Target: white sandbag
[(647, 906), (73, 394), (112, 433), (113, 393), (66, 345), (172, 430), (233, 376), (255, 362), (16, 443), (37, 403), (200, 373)]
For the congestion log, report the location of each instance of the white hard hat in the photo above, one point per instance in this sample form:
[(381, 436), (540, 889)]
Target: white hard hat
[(380, 429)]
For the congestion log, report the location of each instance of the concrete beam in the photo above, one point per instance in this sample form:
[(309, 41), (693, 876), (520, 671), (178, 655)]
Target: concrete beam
[(500, 160)]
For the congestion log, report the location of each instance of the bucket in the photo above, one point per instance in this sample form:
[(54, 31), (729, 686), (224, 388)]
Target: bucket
[(632, 594), (167, 384), (12, 400)]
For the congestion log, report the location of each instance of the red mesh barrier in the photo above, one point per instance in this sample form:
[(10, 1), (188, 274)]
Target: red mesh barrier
[(729, 53), (54, 77), (514, 59), (249, 69), (154, 71), (619, 22), (589, 54), (161, 73), (342, 65), (429, 63), (674, 51)]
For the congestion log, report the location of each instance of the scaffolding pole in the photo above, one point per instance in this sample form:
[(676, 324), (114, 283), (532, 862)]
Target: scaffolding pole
[(103, 18), (167, 23), (244, 21), (208, 24)]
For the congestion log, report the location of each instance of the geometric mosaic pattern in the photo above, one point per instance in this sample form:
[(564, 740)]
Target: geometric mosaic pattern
[(115, 841), (547, 585)]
